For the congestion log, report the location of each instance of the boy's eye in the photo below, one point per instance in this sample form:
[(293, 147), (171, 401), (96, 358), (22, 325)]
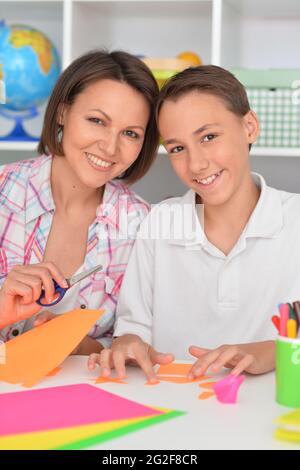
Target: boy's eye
[(96, 120), (177, 149), (132, 134), (208, 137)]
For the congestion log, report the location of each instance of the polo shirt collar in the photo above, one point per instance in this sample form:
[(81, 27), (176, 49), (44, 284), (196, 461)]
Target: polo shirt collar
[(266, 220)]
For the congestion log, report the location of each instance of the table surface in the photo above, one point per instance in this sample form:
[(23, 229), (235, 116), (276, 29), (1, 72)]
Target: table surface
[(207, 424)]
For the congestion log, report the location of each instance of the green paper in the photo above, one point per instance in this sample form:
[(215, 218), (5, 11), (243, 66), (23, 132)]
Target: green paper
[(103, 437)]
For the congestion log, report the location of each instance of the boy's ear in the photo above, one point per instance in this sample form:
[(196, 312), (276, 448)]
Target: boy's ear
[(251, 126)]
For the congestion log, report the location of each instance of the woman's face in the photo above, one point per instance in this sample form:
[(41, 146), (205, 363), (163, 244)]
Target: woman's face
[(104, 130)]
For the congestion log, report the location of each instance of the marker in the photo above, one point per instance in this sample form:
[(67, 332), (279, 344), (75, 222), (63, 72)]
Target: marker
[(276, 322), (296, 306), (292, 314), (284, 316), (291, 327)]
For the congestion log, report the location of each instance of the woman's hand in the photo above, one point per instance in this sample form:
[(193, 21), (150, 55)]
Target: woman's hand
[(22, 288), (43, 317), (254, 358), (129, 349)]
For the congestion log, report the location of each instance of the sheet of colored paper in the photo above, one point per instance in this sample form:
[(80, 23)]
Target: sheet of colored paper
[(174, 369), (31, 356), (99, 439), (60, 437), (65, 406)]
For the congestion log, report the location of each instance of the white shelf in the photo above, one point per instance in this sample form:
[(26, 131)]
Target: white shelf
[(275, 152), (261, 152), (266, 8), (255, 152), (18, 146)]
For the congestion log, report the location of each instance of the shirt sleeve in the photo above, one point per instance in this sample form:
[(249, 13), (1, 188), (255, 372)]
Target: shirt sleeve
[(134, 310)]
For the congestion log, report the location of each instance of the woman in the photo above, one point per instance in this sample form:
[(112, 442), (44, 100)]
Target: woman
[(68, 210)]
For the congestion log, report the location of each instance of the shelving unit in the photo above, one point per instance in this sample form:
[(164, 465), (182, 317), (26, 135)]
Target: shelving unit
[(230, 33)]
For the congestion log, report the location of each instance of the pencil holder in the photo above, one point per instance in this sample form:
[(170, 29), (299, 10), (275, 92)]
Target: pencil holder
[(288, 372)]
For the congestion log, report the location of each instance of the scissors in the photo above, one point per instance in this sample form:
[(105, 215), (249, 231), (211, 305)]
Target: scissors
[(61, 291)]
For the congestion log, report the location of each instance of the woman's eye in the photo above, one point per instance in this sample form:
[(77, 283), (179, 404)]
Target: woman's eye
[(208, 137), (177, 149), (96, 120), (132, 134)]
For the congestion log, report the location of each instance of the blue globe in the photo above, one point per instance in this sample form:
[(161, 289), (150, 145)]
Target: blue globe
[(29, 65)]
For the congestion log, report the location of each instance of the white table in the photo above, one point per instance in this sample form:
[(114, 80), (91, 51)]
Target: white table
[(207, 425)]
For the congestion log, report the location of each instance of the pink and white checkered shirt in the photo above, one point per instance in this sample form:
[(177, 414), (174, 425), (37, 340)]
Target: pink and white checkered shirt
[(26, 212)]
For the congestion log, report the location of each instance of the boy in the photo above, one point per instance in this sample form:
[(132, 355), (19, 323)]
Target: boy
[(220, 282)]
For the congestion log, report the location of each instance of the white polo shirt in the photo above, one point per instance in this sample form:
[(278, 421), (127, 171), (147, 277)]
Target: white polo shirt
[(184, 291)]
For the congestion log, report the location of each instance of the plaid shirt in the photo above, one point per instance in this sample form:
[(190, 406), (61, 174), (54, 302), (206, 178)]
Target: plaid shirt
[(26, 213)]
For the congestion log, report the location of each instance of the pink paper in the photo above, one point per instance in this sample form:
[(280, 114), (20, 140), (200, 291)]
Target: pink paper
[(65, 406), (227, 389)]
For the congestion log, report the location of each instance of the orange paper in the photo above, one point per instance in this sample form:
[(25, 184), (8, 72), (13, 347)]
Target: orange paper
[(155, 382), (104, 380), (174, 369), (207, 385), (177, 379), (54, 372), (206, 395), (36, 353)]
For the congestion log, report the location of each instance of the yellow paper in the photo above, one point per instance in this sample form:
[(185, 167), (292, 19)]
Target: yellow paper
[(60, 437)]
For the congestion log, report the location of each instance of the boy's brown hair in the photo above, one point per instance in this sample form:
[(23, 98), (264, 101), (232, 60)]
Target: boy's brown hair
[(92, 67), (208, 79)]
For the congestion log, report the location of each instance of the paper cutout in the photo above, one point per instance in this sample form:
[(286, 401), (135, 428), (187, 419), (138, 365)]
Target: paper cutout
[(32, 355), (174, 369), (104, 380), (227, 389), (54, 372), (206, 395), (154, 382), (209, 385), (177, 379), (65, 406)]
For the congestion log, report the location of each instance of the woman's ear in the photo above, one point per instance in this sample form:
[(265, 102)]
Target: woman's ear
[(251, 124)]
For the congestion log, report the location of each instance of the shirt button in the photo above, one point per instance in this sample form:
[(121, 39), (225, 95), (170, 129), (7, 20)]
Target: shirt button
[(82, 306), (15, 332)]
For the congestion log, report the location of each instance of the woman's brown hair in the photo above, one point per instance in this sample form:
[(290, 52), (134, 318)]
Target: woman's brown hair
[(87, 69)]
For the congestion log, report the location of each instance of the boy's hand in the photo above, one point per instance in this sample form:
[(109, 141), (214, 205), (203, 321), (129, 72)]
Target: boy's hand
[(254, 358), (128, 349)]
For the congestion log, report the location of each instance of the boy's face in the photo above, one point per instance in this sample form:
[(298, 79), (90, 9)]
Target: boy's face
[(208, 145)]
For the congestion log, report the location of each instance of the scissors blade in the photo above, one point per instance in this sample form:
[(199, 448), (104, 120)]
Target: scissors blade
[(79, 277)]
